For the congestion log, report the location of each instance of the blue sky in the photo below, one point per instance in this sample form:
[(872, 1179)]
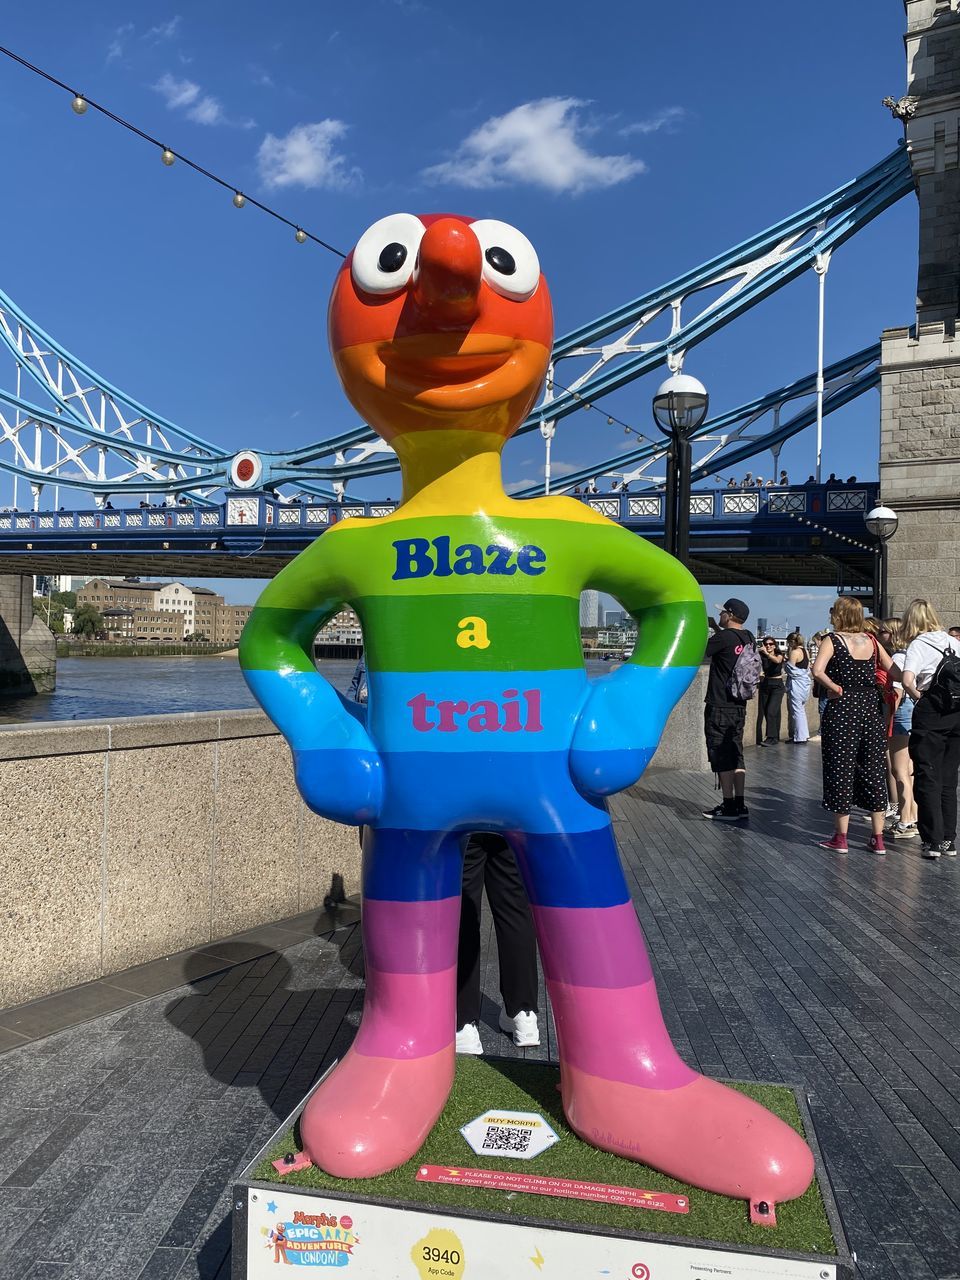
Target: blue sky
[(630, 142)]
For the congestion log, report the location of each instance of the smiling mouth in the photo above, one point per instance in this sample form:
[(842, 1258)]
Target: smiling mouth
[(440, 360), (443, 371)]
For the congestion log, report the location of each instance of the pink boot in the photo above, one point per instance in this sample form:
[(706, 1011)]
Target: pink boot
[(375, 1109), (372, 1114), (702, 1133), (625, 1089)]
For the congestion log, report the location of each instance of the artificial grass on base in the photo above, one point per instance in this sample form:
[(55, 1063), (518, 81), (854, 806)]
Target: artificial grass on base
[(516, 1085)]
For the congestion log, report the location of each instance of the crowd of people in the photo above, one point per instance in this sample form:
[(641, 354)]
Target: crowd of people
[(750, 481), (889, 700)]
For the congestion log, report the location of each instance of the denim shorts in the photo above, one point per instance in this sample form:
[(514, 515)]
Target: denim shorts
[(903, 716)]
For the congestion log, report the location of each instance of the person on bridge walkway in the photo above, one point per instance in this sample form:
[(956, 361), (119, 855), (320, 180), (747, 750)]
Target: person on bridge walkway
[(488, 863), (725, 713), (797, 667), (854, 755), (935, 733), (770, 694)]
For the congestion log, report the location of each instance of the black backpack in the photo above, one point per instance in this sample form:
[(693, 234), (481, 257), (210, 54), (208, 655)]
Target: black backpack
[(944, 687)]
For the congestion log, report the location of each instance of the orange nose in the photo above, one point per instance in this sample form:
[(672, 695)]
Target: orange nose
[(448, 273)]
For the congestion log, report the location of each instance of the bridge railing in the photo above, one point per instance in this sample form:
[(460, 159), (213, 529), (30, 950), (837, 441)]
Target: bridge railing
[(264, 513)]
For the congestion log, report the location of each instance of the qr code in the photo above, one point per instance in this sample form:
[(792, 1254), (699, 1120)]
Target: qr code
[(506, 1138)]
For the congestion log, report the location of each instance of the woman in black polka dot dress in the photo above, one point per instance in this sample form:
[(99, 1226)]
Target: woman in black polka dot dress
[(851, 728)]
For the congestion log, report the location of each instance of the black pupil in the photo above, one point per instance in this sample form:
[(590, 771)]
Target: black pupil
[(500, 260), (392, 257)]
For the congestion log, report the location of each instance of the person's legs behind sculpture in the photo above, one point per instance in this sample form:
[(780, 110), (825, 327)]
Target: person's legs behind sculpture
[(489, 863)]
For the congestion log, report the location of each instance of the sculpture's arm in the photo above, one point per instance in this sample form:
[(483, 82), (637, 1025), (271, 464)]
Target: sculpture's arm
[(337, 766), (624, 714)]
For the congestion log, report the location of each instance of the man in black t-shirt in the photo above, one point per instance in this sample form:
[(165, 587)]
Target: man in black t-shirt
[(724, 715)]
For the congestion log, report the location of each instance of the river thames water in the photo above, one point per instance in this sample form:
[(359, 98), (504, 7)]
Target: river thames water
[(104, 688)]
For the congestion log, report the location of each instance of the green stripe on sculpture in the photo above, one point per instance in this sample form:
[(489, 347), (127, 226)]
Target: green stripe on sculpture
[(500, 633)]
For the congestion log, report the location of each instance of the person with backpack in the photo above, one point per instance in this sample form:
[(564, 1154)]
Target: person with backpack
[(852, 733), (931, 679), (734, 678)]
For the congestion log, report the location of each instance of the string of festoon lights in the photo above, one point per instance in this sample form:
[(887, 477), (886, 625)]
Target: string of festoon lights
[(612, 419), (839, 537), (81, 104)]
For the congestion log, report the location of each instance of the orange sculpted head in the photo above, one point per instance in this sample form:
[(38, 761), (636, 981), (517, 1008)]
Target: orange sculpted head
[(441, 322)]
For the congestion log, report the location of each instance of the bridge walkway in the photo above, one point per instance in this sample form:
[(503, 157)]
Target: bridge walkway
[(776, 961)]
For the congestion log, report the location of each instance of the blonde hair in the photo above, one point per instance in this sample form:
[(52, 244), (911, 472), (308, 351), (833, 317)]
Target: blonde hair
[(895, 627), (796, 641), (920, 616), (847, 614), (872, 626)]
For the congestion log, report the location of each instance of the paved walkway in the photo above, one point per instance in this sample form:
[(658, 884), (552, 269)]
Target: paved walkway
[(776, 961)]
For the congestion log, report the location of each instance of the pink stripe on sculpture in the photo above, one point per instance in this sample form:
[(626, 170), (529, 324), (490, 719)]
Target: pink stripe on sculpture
[(370, 1113), (703, 1133), (618, 1034), (592, 946), (411, 937), (407, 1015)]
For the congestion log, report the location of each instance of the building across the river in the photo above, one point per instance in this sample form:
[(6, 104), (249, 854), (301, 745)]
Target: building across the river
[(141, 610)]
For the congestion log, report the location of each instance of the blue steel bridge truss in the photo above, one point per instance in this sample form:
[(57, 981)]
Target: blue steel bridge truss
[(65, 428), (799, 534)]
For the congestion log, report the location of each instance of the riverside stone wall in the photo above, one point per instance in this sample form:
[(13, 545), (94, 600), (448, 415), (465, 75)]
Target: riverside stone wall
[(123, 841)]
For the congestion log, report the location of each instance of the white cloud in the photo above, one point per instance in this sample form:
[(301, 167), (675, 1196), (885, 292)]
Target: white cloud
[(178, 93), (207, 111), (200, 107), (668, 118), (115, 49), (825, 594), (540, 143), (164, 31), (306, 157)]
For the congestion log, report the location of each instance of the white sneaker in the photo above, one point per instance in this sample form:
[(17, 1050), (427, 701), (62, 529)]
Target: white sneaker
[(523, 1028), (468, 1039)]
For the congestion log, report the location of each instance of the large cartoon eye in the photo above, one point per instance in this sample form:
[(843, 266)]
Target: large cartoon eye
[(385, 255), (510, 263)]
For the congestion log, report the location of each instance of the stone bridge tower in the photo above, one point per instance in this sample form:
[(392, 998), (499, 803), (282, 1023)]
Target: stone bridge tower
[(920, 365)]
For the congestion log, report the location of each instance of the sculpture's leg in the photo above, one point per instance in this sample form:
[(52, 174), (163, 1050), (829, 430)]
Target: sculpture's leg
[(379, 1103), (624, 1086)]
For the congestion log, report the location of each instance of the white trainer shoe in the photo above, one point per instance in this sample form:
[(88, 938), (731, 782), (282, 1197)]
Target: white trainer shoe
[(468, 1039), (523, 1028)]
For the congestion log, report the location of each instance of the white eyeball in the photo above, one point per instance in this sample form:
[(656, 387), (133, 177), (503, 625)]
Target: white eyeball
[(510, 263), (386, 253)]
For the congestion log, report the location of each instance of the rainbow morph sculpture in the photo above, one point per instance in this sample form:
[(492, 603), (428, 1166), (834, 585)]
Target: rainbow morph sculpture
[(481, 717)]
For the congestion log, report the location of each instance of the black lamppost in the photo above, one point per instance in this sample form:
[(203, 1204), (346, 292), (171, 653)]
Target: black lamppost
[(882, 522), (679, 407)]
